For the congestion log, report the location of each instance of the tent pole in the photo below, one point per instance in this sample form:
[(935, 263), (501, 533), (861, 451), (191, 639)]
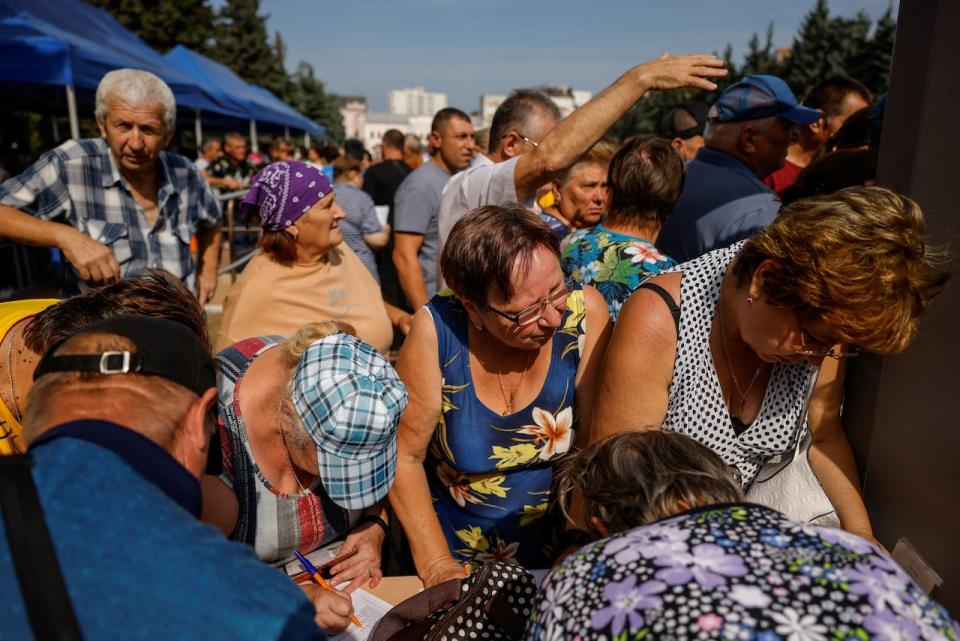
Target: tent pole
[(306, 138), (72, 111), (56, 128), (253, 136), (286, 132), (198, 129)]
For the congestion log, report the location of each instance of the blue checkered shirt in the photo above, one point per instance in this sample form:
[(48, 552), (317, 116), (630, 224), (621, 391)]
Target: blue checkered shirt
[(80, 180)]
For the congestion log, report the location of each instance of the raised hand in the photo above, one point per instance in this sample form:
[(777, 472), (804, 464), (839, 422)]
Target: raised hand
[(675, 72)]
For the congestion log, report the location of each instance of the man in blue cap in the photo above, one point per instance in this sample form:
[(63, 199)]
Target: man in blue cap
[(749, 130)]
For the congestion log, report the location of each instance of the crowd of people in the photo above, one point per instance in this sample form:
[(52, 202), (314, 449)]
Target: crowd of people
[(529, 345)]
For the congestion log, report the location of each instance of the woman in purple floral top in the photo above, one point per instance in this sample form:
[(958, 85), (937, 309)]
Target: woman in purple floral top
[(723, 570)]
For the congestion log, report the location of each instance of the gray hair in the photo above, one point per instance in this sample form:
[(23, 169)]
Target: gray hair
[(136, 87), (523, 111), (635, 478), (413, 143)]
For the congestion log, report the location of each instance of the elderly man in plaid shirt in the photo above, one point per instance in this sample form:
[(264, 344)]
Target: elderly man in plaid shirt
[(127, 204)]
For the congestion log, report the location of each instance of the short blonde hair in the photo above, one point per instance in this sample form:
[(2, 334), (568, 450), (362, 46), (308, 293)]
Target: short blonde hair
[(600, 154), (293, 348), (858, 259)]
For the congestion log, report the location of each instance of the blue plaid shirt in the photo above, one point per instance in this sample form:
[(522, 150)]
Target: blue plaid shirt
[(80, 180)]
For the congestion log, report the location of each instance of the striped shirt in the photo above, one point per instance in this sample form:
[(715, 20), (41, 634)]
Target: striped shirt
[(274, 523), (361, 220), (81, 181)]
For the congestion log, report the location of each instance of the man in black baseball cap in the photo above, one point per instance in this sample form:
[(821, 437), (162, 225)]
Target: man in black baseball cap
[(683, 127), (118, 425)]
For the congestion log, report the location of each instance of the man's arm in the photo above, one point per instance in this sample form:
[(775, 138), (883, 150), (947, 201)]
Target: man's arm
[(561, 148), (406, 251), (92, 259), (208, 258)]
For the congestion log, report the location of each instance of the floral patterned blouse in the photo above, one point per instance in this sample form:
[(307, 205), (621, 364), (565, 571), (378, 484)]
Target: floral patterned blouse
[(612, 262), (735, 571), (491, 476)]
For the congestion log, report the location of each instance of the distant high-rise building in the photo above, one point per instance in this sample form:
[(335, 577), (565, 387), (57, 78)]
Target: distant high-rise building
[(415, 101), (566, 99)]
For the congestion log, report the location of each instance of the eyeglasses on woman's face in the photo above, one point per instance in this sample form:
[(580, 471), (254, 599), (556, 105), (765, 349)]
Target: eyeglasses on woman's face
[(814, 347), (533, 313)]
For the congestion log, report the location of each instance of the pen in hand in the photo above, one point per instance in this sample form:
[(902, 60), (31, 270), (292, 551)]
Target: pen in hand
[(308, 566)]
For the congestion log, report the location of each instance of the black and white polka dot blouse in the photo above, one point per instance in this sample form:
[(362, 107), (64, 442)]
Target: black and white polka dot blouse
[(696, 406)]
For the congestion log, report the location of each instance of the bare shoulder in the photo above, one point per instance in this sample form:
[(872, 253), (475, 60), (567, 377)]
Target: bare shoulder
[(646, 315), (595, 307), (422, 339)]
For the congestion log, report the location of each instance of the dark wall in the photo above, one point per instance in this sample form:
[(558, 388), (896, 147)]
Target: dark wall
[(903, 411)]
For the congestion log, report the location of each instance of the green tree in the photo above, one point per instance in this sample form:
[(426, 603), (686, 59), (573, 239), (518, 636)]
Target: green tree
[(804, 66), (309, 97), (243, 45), (873, 67), (761, 59), (163, 24)]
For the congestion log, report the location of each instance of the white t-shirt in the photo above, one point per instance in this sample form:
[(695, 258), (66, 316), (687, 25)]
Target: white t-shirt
[(488, 183)]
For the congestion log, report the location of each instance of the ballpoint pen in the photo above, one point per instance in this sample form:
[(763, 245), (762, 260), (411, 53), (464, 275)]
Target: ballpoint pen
[(308, 566)]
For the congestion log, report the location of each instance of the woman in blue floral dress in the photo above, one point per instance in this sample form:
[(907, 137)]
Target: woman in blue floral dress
[(723, 570), (644, 183), (500, 372)]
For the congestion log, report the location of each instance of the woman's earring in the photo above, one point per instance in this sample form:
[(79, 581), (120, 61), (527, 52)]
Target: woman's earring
[(750, 299)]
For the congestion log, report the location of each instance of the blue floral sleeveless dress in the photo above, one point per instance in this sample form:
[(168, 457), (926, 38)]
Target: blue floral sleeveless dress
[(491, 476)]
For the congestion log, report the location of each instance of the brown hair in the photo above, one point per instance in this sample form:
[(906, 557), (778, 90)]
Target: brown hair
[(858, 259), (155, 292), (600, 154), (829, 95), (486, 245), (279, 246), (393, 138), (644, 182), (637, 477), (442, 117), (344, 165)]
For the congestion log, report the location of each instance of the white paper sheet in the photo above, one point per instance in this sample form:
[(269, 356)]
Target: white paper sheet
[(382, 212), (369, 609)]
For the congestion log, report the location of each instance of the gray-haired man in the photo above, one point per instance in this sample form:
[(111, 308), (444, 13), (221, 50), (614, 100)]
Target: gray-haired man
[(127, 204)]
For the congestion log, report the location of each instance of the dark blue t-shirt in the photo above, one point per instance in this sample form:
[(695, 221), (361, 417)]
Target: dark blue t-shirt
[(722, 202)]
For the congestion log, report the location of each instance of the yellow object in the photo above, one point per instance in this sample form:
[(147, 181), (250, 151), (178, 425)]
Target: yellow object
[(12, 313), (547, 200)]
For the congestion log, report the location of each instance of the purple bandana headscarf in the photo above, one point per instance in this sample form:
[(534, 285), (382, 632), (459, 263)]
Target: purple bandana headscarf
[(283, 192)]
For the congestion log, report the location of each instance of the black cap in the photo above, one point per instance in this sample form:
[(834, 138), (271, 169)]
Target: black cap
[(668, 124), (164, 348)]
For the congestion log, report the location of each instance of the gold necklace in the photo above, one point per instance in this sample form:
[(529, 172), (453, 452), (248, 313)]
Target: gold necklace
[(286, 450), (726, 355), (509, 401)]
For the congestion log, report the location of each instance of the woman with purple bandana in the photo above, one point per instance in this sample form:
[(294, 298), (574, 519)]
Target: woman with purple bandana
[(304, 272)]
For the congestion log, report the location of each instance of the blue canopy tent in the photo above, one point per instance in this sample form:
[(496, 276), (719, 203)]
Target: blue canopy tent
[(229, 88), (73, 44)]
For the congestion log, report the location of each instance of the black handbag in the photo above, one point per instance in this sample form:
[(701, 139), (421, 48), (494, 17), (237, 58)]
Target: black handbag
[(493, 603)]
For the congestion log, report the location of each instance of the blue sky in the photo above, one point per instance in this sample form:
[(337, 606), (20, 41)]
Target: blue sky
[(465, 48)]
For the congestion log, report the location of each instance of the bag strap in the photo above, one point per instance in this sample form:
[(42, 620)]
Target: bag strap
[(418, 608), (667, 299), (44, 592), (800, 437)]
